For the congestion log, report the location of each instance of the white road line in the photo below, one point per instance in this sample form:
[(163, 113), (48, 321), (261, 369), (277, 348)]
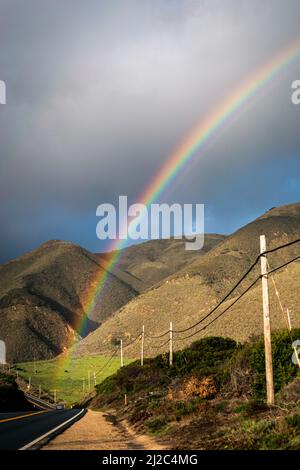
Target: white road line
[(32, 443)]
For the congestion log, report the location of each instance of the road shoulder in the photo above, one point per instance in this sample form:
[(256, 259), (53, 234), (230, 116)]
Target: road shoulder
[(100, 431)]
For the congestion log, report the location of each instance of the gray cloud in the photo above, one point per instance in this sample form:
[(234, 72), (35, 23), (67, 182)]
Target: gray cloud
[(100, 93)]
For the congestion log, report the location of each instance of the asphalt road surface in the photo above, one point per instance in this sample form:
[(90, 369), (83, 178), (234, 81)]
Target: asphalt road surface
[(17, 430)]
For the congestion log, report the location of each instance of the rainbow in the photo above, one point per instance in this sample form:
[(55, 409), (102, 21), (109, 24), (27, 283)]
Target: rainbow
[(188, 150)]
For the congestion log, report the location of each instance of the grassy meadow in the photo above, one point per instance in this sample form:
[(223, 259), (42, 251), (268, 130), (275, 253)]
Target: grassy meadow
[(67, 379)]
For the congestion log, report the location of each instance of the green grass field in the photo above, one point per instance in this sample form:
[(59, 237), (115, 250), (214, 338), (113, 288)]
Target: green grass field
[(68, 379)]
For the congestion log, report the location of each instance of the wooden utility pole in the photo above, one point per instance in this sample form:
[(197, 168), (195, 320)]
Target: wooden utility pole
[(267, 325), (89, 380), (55, 396), (121, 352), (142, 347), (171, 345), (289, 319)]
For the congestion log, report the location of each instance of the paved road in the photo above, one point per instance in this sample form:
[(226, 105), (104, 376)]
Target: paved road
[(19, 429)]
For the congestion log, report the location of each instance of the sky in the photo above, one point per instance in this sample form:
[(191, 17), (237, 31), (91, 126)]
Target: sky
[(100, 93)]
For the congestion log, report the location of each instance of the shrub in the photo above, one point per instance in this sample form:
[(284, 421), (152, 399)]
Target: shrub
[(157, 424), (252, 355), (294, 421)]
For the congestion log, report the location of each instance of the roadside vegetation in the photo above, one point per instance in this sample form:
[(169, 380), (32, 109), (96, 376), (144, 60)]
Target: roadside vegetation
[(11, 397), (213, 396)]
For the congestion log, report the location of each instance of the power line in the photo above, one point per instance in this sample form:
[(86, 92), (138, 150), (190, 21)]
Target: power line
[(107, 363), (133, 341), (286, 245), (223, 299), (239, 297), (161, 345), (272, 250), (284, 265), (279, 300), (223, 312), (158, 336), (114, 354)]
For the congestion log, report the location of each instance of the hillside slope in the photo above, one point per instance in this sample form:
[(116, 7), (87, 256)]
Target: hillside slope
[(42, 293), (187, 296), (150, 262), (42, 299)]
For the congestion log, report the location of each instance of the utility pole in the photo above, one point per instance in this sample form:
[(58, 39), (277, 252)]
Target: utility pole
[(289, 319), (142, 347), (267, 325), (171, 345), (55, 396), (89, 380), (121, 352), (29, 383), (95, 380)]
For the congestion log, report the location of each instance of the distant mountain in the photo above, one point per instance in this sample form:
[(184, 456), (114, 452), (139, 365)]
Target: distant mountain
[(188, 294), (41, 299), (148, 263)]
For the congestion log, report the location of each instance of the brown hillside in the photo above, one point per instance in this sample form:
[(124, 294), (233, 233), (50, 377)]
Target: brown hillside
[(148, 263), (41, 299), (187, 295)]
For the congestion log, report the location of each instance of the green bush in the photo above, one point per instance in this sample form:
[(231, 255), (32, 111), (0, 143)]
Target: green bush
[(157, 424), (206, 356), (253, 355), (294, 421), (274, 441), (212, 356), (251, 407), (185, 408)]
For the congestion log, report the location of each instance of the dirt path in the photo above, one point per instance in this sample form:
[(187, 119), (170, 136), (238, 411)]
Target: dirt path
[(100, 431)]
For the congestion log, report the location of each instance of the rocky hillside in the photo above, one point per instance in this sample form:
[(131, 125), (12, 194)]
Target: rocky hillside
[(188, 295)]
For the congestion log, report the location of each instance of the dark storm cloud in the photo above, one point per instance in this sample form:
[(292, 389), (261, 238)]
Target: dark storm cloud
[(100, 93)]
